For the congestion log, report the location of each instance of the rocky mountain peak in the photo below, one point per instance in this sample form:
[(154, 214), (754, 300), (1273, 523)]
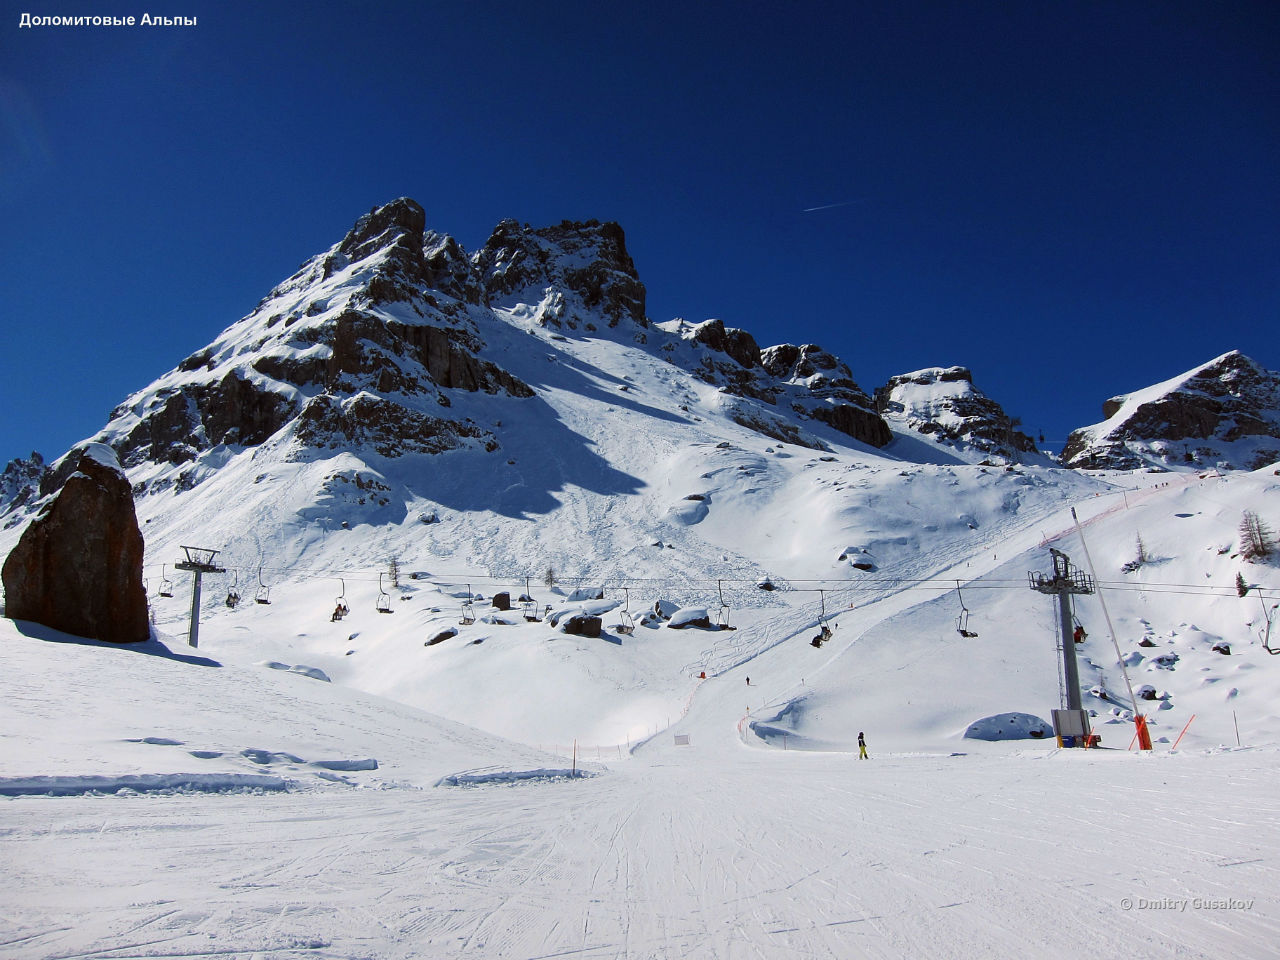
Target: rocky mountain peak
[(942, 403), (573, 270), (1226, 412)]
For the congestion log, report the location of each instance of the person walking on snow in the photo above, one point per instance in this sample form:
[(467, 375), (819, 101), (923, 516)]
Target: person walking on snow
[(862, 747)]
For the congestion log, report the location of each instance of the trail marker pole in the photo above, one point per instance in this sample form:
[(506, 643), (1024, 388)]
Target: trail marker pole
[(199, 561)]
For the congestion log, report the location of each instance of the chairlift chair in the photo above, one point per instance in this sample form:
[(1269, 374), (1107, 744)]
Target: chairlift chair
[(626, 624), (264, 592), (468, 610), (166, 585), (962, 621), (824, 627), (384, 598), (340, 608), (233, 595), (722, 618)]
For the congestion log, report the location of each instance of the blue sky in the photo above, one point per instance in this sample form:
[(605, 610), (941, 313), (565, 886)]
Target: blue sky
[(1072, 199)]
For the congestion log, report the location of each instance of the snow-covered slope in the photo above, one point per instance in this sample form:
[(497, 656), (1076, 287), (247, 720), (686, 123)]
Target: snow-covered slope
[(1225, 413)]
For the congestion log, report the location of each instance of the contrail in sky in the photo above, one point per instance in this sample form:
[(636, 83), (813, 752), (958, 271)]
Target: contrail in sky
[(831, 206)]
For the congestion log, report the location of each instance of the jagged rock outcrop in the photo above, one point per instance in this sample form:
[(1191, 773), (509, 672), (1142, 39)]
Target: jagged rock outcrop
[(942, 403), (1226, 412), (568, 273), (805, 382), (20, 482), (367, 343), (78, 566)]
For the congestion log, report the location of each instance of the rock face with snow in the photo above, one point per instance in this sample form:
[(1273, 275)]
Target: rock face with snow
[(365, 346), (78, 565), (20, 483), (942, 403), (1226, 412), (788, 383), (576, 273)]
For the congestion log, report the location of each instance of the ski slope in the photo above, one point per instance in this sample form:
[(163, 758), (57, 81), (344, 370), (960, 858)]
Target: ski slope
[(291, 789)]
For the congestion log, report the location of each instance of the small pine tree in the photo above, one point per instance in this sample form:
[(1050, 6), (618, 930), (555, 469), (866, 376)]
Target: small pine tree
[(1140, 557), (393, 571), (549, 578), (1257, 542), (1241, 587)]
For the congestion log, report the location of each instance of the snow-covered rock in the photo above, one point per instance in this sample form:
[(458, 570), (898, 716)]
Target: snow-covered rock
[(1224, 413)]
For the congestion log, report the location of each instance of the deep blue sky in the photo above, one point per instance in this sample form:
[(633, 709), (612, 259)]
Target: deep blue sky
[(1072, 199)]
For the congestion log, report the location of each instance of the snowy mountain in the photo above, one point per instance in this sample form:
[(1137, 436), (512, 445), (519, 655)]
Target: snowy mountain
[(1224, 413), (943, 404), (485, 524)]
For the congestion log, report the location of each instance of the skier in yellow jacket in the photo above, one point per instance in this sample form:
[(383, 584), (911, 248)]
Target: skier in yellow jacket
[(862, 747)]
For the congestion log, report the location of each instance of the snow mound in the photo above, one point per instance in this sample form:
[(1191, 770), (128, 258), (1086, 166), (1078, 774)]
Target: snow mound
[(315, 673), (475, 778), (1008, 726), (67, 786)]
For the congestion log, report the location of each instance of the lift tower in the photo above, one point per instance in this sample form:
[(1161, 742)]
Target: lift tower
[(1072, 722), (199, 561)]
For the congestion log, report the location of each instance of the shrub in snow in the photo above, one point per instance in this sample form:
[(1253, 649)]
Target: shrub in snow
[(1147, 692), (586, 593), (1223, 648)]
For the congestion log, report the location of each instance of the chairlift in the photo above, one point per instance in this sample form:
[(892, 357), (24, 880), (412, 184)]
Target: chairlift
[(962, 621), (233, 595), (1265, 633), (824, 626), (340, 608), (264, 592), (166, 585), (384, 598), (722, 618), (626, 624), (468, 610)]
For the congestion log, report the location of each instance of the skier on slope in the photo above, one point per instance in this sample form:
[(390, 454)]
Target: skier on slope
[(862, 747)]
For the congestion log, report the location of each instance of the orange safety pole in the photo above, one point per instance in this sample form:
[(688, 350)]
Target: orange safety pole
[(1144, 735), (1184, 730)]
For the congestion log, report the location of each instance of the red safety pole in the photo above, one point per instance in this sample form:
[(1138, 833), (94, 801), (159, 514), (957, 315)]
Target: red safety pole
[(1184, 730)]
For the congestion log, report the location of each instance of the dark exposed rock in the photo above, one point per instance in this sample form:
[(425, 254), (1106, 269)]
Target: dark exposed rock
[(738, 344), (943, 403), (582, 625), (588, 261), (78, 565), (384, 426), (1227, 411), (20, 482)]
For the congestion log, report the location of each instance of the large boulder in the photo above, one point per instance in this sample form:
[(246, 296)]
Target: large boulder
[(78, 565)]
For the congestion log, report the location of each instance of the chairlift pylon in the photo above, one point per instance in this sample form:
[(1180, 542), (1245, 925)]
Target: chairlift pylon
[(962, 621), (264, 592), (384, 598)]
